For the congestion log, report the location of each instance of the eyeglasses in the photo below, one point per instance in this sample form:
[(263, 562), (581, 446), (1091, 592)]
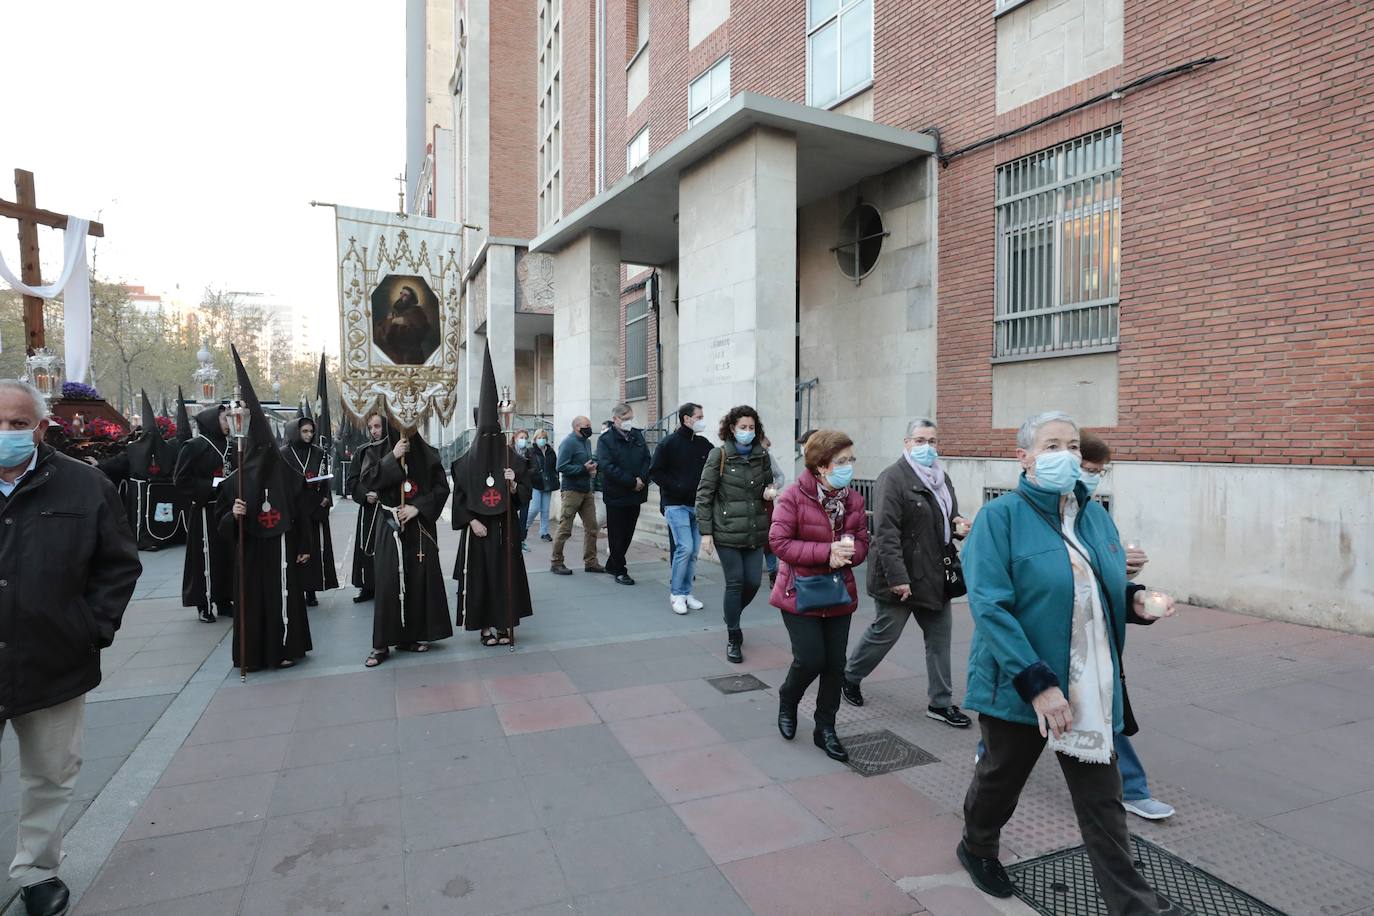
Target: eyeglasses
[(921, 440), (843, 462), (1100, 472)]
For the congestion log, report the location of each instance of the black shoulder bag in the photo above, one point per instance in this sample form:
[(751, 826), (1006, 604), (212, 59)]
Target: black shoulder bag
[(1127, 716)]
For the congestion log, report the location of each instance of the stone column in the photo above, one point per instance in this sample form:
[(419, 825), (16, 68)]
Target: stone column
[(586, 332), (737, 285)]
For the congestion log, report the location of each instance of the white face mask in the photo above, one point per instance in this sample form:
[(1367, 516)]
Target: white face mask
[(626, 425), (699, 426)]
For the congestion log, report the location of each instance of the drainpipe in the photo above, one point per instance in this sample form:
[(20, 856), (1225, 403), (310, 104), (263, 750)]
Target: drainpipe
[(600, 95)]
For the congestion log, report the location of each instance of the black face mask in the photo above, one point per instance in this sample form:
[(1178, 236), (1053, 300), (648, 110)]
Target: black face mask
[(585, 432)]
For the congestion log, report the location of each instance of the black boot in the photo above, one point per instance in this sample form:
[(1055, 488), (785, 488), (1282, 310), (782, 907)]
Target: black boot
[(987, 873), (787, 719), (311, 600), (828, 741), (734, 650), (363, 595), (47, 898), (206, 616)]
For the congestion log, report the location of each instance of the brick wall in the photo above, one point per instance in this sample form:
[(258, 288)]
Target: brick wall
[(1246, 242), (514, 161)]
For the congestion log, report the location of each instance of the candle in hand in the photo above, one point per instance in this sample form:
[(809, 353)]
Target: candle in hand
[(1156, 603)]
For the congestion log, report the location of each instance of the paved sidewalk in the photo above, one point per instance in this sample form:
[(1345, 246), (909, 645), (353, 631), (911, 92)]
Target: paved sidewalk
[(596, 771)]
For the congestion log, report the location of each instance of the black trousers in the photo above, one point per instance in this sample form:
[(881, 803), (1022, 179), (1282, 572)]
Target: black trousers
[(743, 569), (819, 645), (1011, 752), (620, 531)]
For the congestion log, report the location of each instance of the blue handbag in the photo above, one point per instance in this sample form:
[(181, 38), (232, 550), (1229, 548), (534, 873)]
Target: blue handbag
[(815, 593)]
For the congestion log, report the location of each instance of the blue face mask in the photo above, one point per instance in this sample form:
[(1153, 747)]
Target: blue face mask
[(541, 442), (840, 477), (1057, 471), (522, 444), (744, 436), (16, 447), (1090, 481), (924, 455)]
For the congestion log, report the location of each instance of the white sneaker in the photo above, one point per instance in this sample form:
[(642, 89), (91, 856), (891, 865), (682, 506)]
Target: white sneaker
[(679, 604), (1152, 809), (693, 603)]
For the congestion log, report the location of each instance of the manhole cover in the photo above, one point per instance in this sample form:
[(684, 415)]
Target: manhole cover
[(1062, 884), (875, 753), (736, 683)]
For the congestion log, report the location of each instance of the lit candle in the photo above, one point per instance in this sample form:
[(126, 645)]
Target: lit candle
[(1156, 603), (962, 527)]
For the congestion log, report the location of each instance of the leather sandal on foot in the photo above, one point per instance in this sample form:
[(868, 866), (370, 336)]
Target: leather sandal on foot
[(376, 658), (413, 647)]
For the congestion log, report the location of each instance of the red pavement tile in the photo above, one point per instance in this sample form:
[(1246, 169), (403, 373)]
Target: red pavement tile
[(424, 701), (758, 655), (750, 823), (529, 687), (826, 877), (545, 715), (697, 773), (635, 702), (917, 849), (850, 803), (668, 732)]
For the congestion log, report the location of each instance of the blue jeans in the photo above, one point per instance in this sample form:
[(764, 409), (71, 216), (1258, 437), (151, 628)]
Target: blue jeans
[(1134, 785), (682, 522), (539, 505)]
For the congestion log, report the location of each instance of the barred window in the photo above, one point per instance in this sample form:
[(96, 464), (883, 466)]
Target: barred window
[(637, 349), (1059, 249)]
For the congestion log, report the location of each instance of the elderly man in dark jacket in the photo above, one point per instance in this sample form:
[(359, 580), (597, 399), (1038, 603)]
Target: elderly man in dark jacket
[(622, 456), (915, 523), (68, 565)]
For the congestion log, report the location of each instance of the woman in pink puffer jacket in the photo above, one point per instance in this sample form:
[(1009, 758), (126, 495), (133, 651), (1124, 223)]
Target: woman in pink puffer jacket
[(819, 528)]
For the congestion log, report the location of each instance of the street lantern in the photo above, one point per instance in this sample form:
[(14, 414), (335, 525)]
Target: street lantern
[(44, 371), (207, 374)]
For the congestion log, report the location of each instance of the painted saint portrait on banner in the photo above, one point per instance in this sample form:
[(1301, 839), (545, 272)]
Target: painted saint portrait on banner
[(405, 320)]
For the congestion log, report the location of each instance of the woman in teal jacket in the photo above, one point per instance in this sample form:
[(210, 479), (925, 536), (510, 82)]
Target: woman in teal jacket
[(1047, 587)]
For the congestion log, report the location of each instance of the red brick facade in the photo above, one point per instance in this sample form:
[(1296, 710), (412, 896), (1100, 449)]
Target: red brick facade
[(1246, 334), (513, 168)]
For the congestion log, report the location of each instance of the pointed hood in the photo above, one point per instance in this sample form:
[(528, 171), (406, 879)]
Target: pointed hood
[(150, 457), (207, 422), (324, 429), (164, 412), (484, 465), (267, 489), (184, 430)]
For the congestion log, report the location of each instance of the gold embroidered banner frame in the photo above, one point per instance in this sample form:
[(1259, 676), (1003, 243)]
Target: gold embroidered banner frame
[(399, 286)]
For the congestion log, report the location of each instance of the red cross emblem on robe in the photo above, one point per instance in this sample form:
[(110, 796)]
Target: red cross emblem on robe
[(409, 488), (269, 519), (491, 498), (154, 470)]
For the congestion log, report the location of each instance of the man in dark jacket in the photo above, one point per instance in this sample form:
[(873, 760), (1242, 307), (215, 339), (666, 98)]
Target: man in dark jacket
[(68, 565), (915, 522), (578, 469), (623, 457), (676, 469)]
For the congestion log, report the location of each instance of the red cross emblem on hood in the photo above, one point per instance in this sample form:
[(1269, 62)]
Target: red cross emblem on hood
[(492, 498)]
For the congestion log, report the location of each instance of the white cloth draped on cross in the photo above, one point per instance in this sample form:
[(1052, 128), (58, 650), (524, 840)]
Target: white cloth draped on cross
[(75, 286)]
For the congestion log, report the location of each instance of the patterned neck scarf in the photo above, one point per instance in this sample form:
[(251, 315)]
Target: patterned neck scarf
[(833, 503)]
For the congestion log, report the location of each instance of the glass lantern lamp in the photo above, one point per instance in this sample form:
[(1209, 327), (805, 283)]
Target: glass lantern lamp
[(238, 417), (207, 375), (44, 371)]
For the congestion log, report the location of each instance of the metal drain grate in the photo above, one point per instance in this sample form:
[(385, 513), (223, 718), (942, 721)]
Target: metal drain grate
[(736, 683), (1062, 884), (875, 753)]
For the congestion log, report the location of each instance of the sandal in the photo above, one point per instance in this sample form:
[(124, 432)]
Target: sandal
[(413, 647), (376, 658), (488, 638), (286, 663), (503, 637)]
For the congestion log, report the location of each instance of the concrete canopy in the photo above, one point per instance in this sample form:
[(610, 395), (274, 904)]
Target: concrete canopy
[(833, 152)]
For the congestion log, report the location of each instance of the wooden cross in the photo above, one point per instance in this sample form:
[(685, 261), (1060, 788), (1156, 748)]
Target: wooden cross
[(25, 210)]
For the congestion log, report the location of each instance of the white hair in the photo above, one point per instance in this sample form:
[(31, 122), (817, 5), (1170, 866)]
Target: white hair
[(918, 423), (40, 406), (621, 410), (1025, 437)]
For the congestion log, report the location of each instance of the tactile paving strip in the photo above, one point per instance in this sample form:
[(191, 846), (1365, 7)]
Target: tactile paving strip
[(875, 753), (1062, 884)]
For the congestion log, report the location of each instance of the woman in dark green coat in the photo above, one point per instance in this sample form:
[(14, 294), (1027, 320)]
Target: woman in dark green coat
[(732, 512)]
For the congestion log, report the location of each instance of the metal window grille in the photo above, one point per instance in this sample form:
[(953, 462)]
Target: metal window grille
[(1059, 249), (637, 350)]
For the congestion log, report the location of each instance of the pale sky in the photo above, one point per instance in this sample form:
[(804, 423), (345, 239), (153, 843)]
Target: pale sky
[(199, 132)]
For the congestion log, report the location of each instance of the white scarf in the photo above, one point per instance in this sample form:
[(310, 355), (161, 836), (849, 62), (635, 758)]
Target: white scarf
[(934, 479), (1091, 675)]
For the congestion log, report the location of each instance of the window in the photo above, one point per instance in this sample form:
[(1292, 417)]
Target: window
[(1059, 249), (637, 349), (641, 23), (637, 150), (839, 49), (550, 112), (708, 91), (861, 241)]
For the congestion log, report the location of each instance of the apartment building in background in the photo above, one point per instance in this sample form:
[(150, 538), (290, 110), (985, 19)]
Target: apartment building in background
[(852, 212)]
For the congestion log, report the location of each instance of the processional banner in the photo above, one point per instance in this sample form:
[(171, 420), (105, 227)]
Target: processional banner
[(399, 288)]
